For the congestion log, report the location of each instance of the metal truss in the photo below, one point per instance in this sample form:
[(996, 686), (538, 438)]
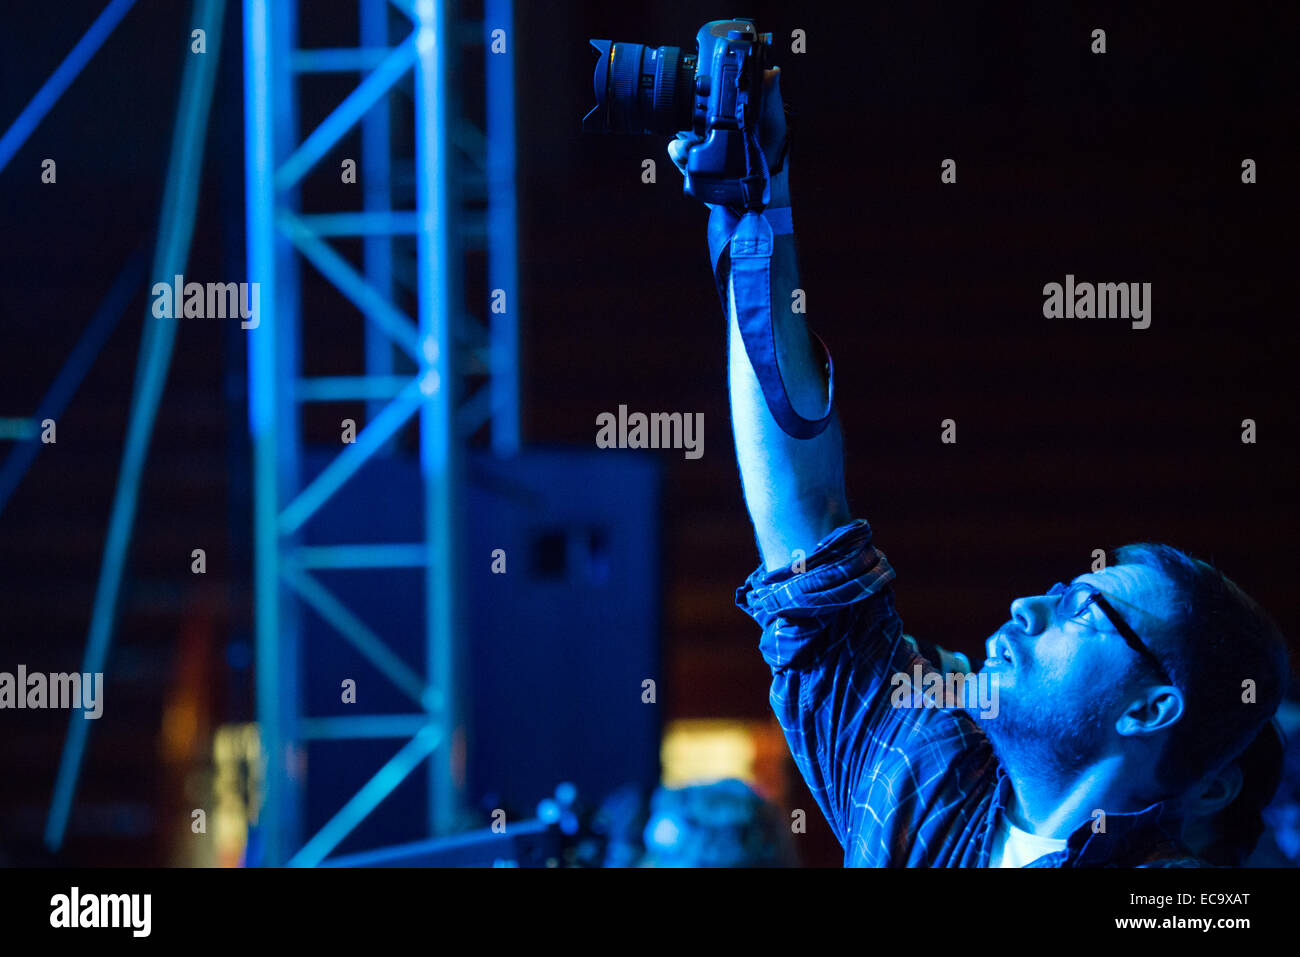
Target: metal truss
[(446, 346)]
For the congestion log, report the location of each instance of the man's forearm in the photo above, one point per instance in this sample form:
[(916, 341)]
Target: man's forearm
[(794, 488)]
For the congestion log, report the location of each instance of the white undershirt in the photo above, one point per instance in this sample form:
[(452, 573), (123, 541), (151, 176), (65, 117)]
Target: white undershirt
[(1015, 848)]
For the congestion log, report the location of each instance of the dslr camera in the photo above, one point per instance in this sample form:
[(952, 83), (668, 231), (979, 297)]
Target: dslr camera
[(716, 92)]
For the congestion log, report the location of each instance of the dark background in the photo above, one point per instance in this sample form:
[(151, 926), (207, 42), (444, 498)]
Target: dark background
[(1072, 434)]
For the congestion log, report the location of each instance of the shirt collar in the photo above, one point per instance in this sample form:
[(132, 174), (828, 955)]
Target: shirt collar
[(1117, 838)]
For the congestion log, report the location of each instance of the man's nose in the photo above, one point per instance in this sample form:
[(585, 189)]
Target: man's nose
[(1032, 614)]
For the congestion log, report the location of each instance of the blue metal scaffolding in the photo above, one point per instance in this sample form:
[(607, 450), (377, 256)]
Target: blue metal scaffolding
[(448, 341)]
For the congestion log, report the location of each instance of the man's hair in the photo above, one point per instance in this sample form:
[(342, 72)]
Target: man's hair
[(1219, 638)]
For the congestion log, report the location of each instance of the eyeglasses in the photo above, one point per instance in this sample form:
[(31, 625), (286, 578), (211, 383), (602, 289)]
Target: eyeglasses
[(1073, 604)]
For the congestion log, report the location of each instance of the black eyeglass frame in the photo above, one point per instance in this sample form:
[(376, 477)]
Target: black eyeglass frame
[(1130, 636)]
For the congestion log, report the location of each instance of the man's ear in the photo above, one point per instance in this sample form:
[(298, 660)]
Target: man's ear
[(1216, 793), (1158, 708)]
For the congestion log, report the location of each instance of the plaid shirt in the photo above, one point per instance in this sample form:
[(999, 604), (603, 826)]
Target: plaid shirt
[(901, 787)]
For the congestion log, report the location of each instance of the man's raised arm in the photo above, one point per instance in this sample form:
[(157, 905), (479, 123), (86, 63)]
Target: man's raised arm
[(794, 488), (831, 635)]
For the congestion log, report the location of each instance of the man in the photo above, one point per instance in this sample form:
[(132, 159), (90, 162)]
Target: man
[(1224, 819), (1119, 693)]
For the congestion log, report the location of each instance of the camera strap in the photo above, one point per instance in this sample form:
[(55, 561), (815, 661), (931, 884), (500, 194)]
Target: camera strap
[(748, 242)]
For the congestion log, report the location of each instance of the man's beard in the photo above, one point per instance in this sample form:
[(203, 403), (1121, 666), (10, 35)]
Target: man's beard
[(1051, 738)]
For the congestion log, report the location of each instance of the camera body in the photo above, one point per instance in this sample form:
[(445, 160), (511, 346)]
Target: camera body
[(716, 93)]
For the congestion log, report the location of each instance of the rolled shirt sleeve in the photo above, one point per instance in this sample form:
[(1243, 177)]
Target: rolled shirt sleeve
[(834, 641)]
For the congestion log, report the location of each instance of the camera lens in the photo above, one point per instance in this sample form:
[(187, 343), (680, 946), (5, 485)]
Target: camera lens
[(641, 89)]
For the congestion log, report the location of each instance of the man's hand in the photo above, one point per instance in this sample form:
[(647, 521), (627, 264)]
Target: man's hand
[(772, 132)]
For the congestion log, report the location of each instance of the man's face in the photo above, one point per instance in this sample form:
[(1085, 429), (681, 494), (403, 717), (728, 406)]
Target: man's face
[(1064, 681)]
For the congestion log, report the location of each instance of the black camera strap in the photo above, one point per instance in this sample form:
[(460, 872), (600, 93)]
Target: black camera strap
[(748, 242)]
